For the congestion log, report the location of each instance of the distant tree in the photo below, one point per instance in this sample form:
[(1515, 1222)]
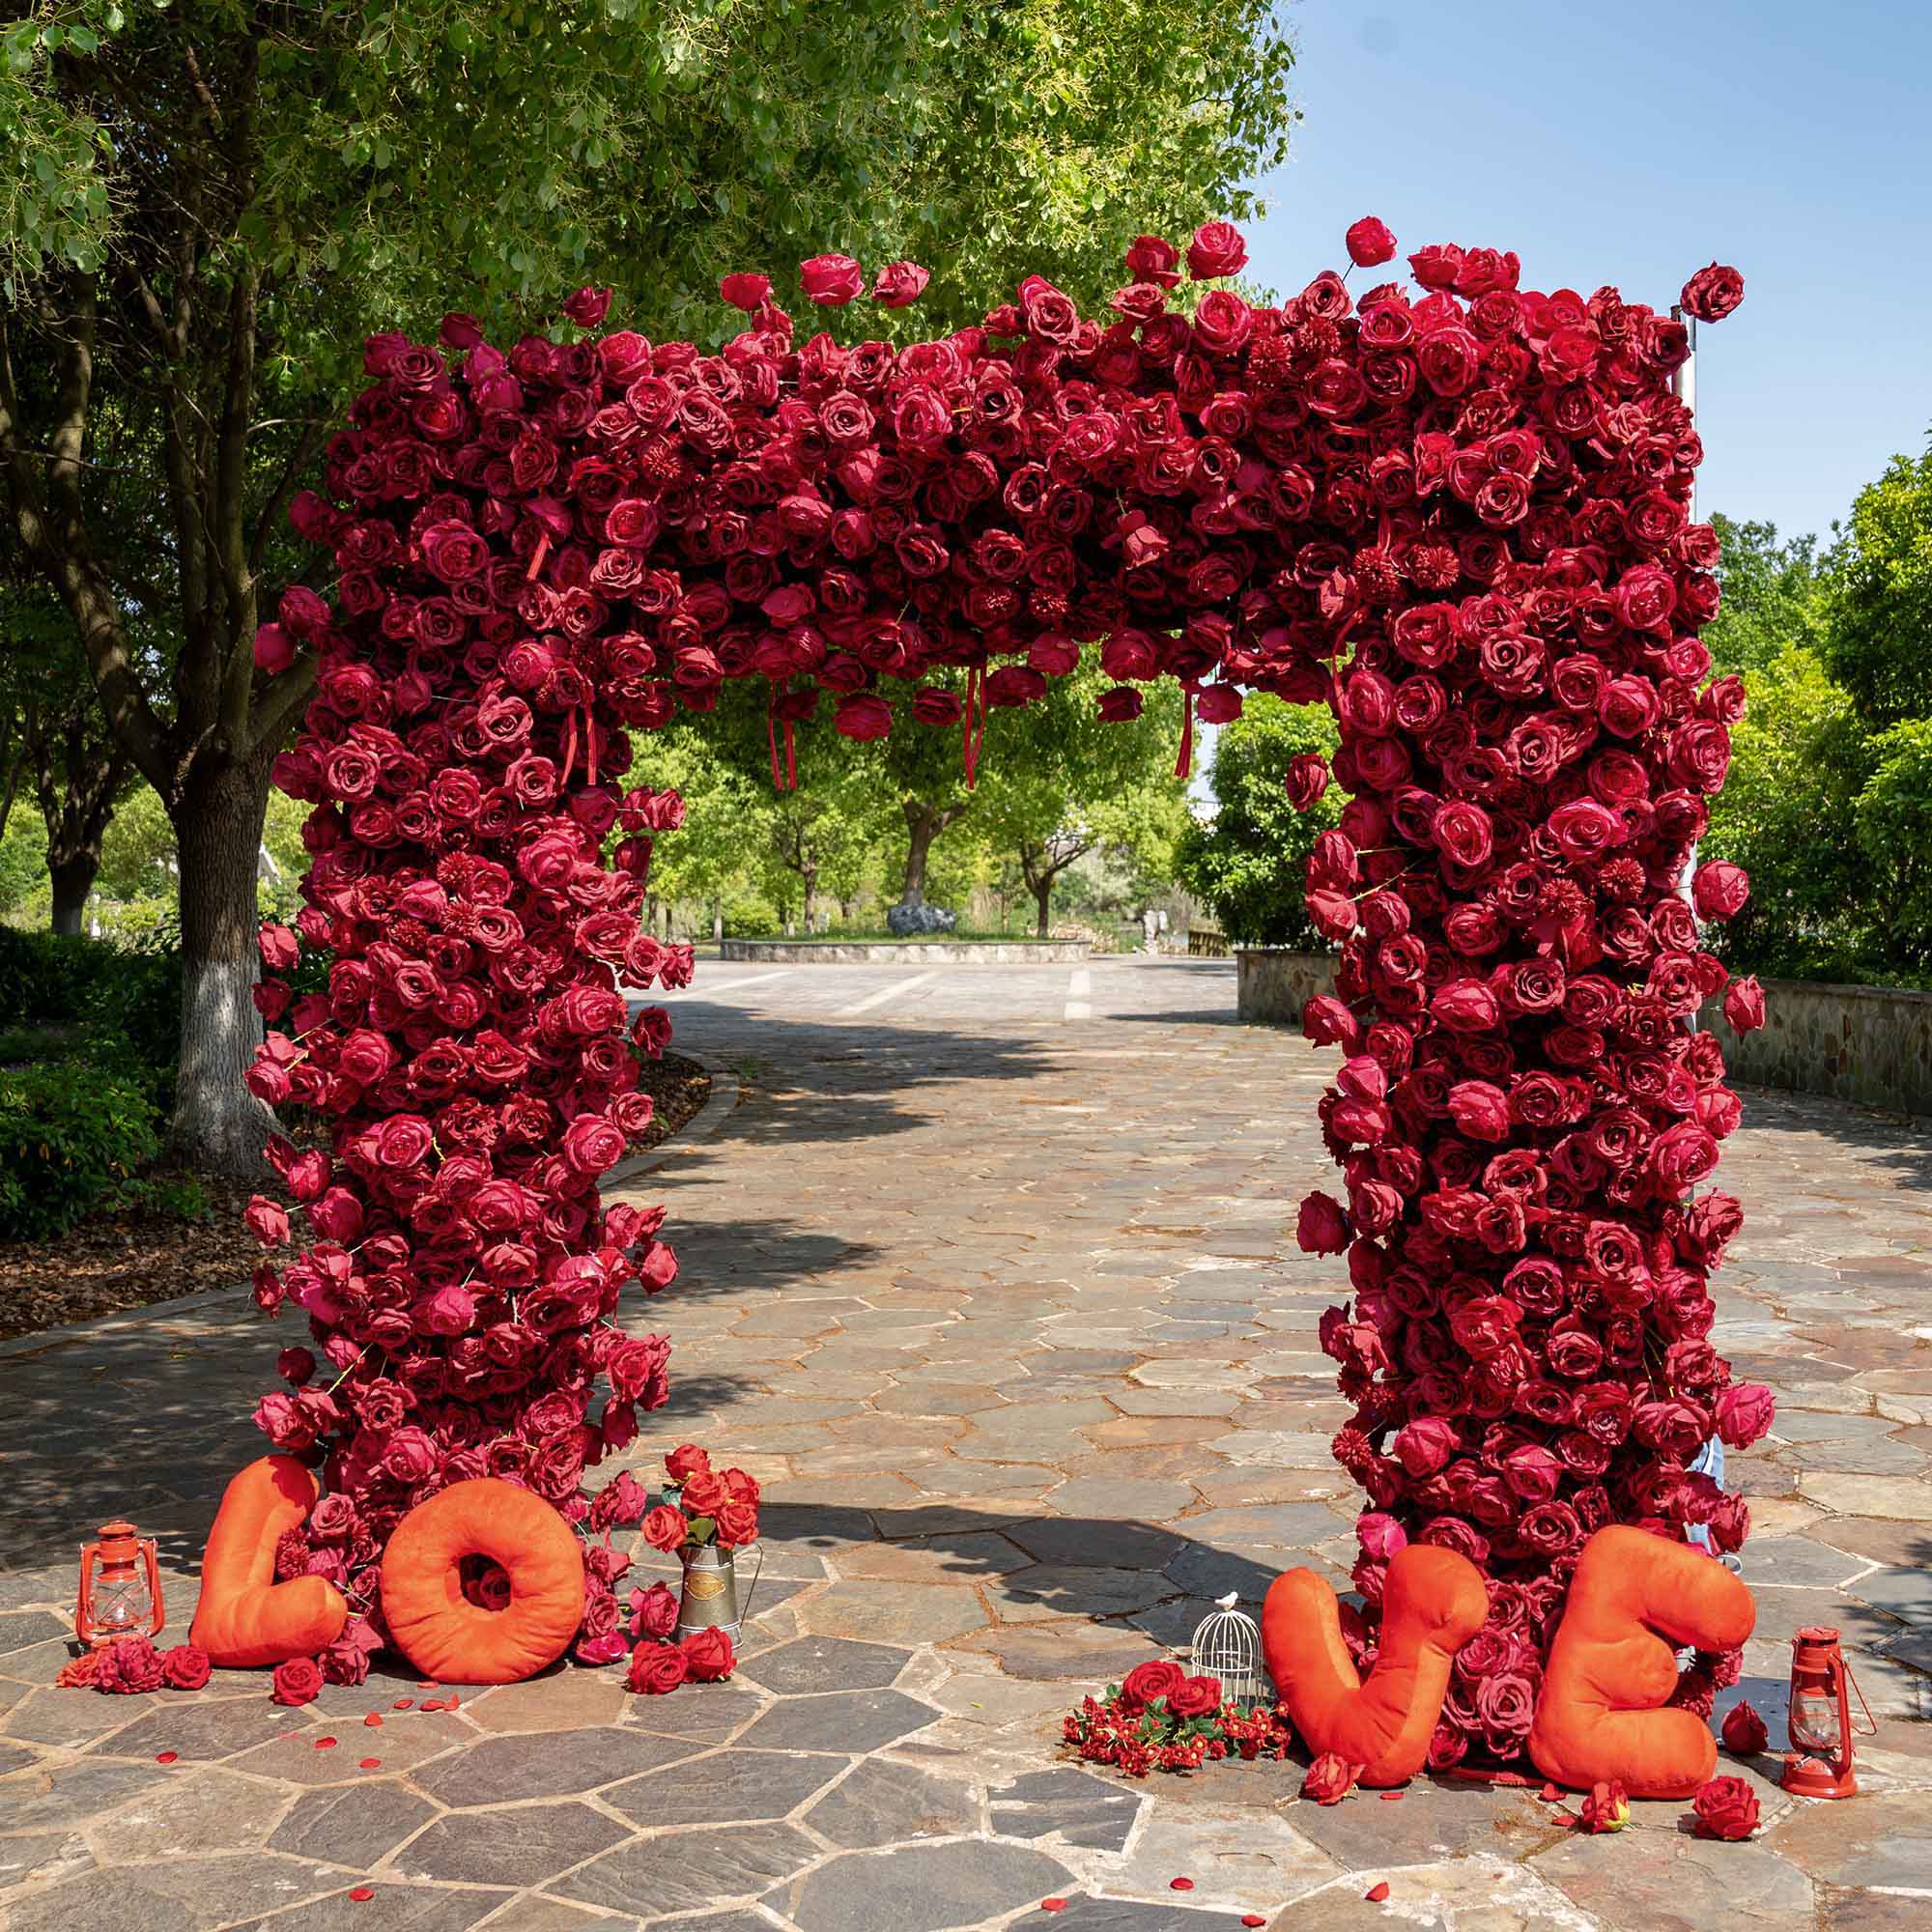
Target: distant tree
[(1787, 815), (1251, 864), (1879, 640), (1774, 596)]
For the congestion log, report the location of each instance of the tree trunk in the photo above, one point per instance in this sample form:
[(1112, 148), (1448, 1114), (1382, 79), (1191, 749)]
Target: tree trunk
[(72, 880), (922, 827), (718, 920), (1043, 892), (218, 1125)]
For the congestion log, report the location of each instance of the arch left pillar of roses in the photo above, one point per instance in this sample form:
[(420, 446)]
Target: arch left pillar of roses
[(1456, 514)]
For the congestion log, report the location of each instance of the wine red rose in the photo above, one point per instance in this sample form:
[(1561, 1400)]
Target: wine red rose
[(1145, 1684), (296, 1682), (1725, 1808), (185, 1668), (1370, 242), (708, 1656), (1744, 1731), (1329, 1779), (656, 1668)]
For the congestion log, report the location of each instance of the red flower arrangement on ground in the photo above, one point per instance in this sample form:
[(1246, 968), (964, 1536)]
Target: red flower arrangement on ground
[(1161, 1719), (1460, 518)]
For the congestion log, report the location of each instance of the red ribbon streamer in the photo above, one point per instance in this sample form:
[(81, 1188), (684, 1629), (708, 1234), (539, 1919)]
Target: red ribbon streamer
[(973, 735), (1184, 763)]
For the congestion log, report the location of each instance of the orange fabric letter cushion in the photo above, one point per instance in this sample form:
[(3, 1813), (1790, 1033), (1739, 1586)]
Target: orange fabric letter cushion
[(244, 1617), (437, 1628), (1634, 1600), (1433, 1604)]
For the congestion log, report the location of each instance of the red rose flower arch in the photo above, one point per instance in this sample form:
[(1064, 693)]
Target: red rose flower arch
[(1458, 516)]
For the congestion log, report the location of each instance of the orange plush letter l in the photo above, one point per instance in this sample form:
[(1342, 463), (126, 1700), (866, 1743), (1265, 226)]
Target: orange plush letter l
[(244, 1617), (1600, 1716), (1434, 1602)]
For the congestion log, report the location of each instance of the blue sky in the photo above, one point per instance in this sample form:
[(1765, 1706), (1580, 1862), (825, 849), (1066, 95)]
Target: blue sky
[(1631, 144)]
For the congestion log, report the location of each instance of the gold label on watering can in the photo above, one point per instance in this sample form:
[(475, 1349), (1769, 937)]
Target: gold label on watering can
[(701, 1587)]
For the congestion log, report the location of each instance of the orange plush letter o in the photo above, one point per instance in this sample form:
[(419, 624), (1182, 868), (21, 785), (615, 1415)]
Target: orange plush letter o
[(448, 1637), (244, 1617), (1600, 1716), (1433, 1604)]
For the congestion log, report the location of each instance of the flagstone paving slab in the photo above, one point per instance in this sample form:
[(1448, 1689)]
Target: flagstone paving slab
[(1012, 1327)]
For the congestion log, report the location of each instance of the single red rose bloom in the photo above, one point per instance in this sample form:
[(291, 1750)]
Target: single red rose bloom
[(1744, 1731), (708, 1656), (656, 1668), (296, 1682), (1370, 242), (1725, 1808), (1712, 293)]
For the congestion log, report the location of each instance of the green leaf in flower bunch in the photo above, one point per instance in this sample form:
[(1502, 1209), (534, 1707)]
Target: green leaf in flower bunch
[(703, 1529)]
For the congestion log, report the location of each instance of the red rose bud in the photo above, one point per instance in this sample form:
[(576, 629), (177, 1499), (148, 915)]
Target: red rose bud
[(1321, 1227), (1305, 780), (746, 292), (1329, 1779), (1744, 1004), (1744, 1731), (274, 650), (1370, 242), (587, 307), (1725, 1808), (1712, 293), (1719, 890), (1605, 1809), (901, 284), (1150, 259), (831, 280)]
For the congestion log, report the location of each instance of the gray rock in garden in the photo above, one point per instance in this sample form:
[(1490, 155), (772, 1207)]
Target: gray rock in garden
[(907, 920)]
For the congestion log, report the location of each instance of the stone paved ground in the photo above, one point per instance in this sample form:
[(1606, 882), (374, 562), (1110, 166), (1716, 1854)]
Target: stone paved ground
[(990, 1277)]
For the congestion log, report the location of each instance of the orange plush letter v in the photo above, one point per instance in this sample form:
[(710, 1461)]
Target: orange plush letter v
[(1601, 1716), (1433, 1604), (244, 1617)]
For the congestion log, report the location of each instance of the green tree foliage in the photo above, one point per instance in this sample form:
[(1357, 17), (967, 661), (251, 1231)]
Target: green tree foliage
[(1878, 643), (1786, 814), (1894, 817), (1251, 864), (205, 205), (1774, 594)]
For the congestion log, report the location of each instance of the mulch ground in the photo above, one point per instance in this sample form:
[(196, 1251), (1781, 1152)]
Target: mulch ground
[(128, 1257)]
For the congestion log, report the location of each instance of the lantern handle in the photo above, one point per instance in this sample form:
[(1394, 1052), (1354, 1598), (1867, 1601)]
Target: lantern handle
[(1871, 1729)]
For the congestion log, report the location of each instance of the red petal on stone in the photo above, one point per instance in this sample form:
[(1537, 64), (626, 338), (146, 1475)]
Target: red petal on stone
[(452, 1703), (1180, 1884), (371, 1764), (374, 1720), (1549, 1793), (166, 1757), (324, 1743), (1390, 1797), (425, 1683), (363, 1893), (1253, 1919), (1052, 1905), (402, 1703), (1375, 1893)]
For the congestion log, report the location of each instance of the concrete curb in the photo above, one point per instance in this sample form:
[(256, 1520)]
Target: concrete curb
[(233, 1299)]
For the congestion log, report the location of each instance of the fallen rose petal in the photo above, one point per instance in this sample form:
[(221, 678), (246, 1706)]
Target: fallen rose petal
[(324, 1743), (1180, 1884), (166, 1757), (370, 1764), (374, 1720), (363, 1893), (1389, 1797), (1375, 1893), (1052, 1905), (1253, 1919), (402, 1704), (1550, 1794)]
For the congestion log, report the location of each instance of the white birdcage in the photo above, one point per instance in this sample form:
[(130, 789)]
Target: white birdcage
[(1228, 1645)]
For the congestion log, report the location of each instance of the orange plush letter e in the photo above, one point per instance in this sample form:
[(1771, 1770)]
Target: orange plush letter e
[(1601, 1714), (1434, 1602)]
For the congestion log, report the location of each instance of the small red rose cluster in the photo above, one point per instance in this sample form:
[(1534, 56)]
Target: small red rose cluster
[(1459, 517), (1161, 1719), (702, 1505), (133, 1666)]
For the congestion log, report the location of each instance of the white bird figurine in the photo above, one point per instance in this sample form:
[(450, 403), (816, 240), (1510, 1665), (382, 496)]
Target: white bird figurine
[(1229, 1601)]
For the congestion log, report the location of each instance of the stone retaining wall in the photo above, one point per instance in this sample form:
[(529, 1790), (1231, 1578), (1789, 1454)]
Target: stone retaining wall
[(923, 953), (1867, 1044), (1273, 986)]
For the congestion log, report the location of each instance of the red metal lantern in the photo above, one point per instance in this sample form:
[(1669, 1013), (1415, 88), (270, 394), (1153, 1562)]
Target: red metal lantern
[(1820, 1720), (120, 1587)]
